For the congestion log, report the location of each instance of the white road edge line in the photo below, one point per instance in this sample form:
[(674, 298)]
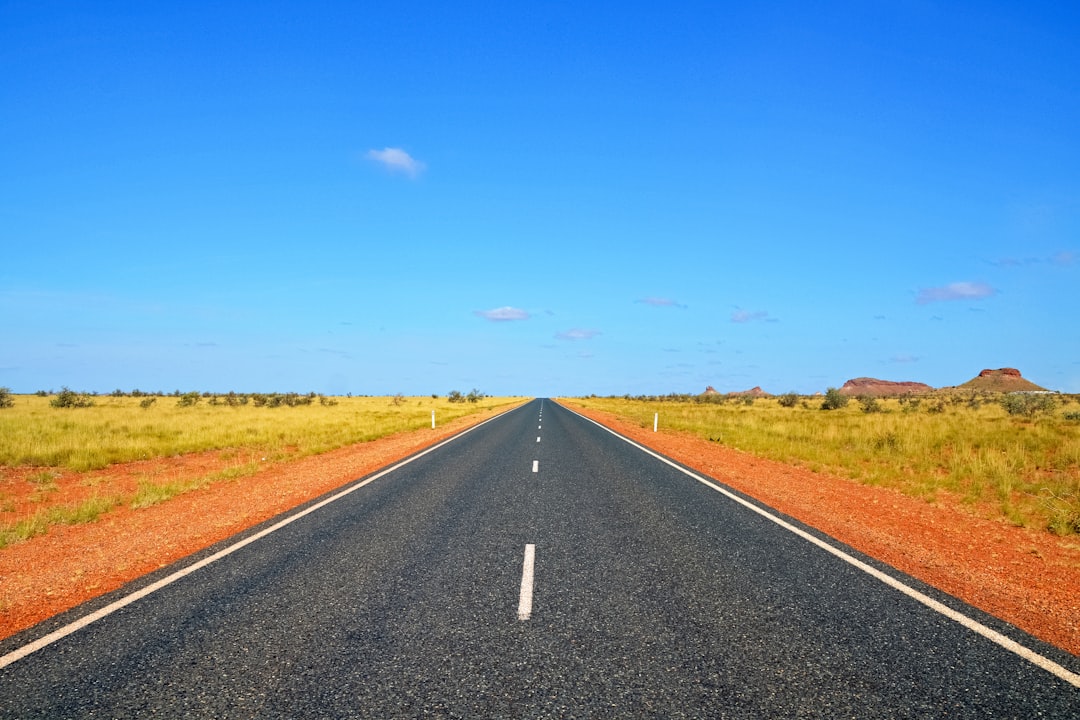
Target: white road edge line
[(525, 596), (970, 623), (60, 633)]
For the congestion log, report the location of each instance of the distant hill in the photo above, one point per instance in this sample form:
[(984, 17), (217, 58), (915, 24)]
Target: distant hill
[(881, 388), (752, 392), (1001, 380)]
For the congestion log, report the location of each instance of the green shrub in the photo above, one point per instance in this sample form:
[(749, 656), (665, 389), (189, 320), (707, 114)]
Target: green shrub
[(869, 404), (189, 399), (455, 396), (1028, 404), (6, 400), (788, 400), (834, 400), (67, 398)]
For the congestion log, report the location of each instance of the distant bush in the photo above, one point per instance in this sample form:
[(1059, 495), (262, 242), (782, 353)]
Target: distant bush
[(1072, 415), (869, 404), (475, 396), (70, 399), (788, 400), (455, 396), (6, 400), (1028, 404), (279, 399), (147, 402), (189, 399), (834, 400)]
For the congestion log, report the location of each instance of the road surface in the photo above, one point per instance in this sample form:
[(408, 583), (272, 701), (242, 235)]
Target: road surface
[(536, 566)]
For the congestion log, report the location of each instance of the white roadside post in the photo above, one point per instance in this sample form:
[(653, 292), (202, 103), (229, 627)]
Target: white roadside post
[(655, 421), (432, 419)]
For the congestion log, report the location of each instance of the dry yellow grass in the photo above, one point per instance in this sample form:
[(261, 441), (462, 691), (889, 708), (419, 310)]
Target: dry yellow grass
[(119, 429), (964, 445)]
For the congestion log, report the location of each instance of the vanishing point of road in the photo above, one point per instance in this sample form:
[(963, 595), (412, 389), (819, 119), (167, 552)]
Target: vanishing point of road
[(536, 566)]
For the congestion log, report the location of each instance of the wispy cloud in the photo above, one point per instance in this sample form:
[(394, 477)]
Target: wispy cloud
[(397, 160), (577, 334), (502, 314), (955, 291), (745, 316), (661, 302), (904, 359), (1062, 258)]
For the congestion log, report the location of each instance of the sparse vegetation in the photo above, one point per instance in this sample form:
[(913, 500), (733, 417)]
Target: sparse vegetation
[(788, 400), (1025, 467), (834, 400), (121, 429), (869, 404), (133, 427), (6, 400), (1028, 404), (39, 523), (67, 398)]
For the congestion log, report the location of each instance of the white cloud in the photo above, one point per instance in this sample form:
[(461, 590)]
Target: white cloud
[(577, 334), (502, 314), (661, 302), (397, 160), (955, 291), (745, 316)]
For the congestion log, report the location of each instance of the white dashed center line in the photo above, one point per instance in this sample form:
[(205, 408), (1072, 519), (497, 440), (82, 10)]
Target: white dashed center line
[(536, 466), (525, 597)]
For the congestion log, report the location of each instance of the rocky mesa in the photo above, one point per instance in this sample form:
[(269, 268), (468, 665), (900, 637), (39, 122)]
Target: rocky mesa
[(1001, 380), (756, 392), (883, 388)]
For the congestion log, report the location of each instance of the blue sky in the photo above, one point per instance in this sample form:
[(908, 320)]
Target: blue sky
[(553, 199)]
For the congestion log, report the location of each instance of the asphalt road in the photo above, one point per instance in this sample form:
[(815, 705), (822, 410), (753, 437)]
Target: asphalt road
[(652, 595)]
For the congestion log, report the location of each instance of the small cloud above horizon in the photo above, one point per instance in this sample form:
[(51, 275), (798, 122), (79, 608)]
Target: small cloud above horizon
[(1063, 258), (503, 314), (745, 316), (397, 160), (577, 334), (904, 359), (955, 291), (661, 302)]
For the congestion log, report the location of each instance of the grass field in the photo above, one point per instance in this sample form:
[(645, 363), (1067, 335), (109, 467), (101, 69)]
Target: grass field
[(121, 429), (116, 429), (964, 445)]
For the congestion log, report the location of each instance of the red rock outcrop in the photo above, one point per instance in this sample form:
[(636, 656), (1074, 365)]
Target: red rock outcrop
[(1001, 380), (883, 388), (1003, 372), (752, 392)]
